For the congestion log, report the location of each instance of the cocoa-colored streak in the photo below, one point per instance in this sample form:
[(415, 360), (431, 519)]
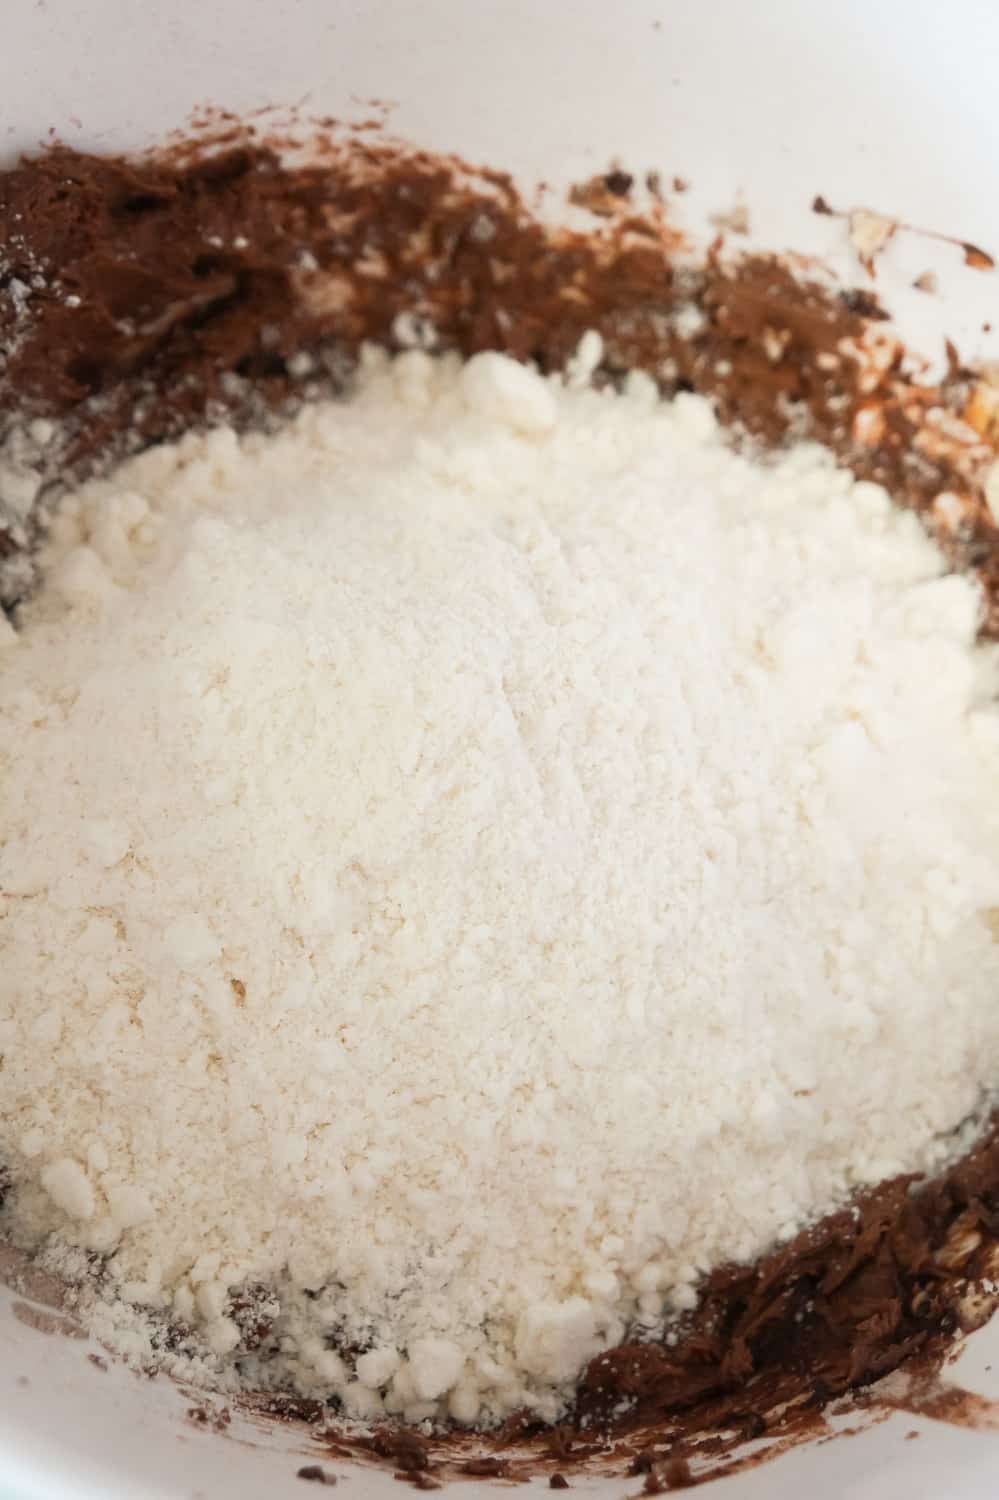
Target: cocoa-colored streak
[(205, 1414), (407, 1449), (44, 1320), (316, 1474), (486, 1467), (978, 259), (674, 1474), (931, 1395)]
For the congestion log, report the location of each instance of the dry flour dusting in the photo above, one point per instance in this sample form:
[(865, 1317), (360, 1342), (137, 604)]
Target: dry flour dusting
[(472, 863)]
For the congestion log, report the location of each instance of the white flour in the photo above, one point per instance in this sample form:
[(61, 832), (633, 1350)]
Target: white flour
[(486, 856)]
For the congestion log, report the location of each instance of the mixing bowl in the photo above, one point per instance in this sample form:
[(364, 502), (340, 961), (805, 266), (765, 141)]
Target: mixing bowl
[(883, 104)]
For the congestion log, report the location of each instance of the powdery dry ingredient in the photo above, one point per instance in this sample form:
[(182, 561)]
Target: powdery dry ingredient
[(474, 862)]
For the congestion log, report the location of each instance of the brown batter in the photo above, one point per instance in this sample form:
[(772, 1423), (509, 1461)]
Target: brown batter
[(158, 294), (886, 1282)]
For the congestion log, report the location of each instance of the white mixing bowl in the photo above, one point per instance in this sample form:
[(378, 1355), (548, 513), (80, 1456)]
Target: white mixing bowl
[(887, 104)]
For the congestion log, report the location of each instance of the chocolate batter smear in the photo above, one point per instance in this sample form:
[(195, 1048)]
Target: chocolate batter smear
[(208, 283), (883, 1285), (215, 281)]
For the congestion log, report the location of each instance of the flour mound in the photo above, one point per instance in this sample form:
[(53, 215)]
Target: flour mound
[(474, 862)]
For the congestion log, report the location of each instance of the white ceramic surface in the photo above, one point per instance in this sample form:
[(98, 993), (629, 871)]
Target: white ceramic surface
[(889, 104)]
